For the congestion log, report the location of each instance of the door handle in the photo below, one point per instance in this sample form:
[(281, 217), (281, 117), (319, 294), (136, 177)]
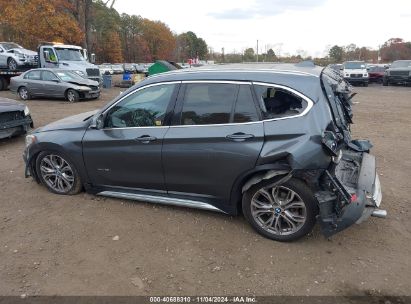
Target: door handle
[(240, 136), (145, 139)]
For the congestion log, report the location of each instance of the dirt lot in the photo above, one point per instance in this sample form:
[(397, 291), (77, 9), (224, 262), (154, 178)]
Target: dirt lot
[(52, 244)]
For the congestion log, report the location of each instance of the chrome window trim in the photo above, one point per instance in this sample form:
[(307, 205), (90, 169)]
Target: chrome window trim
[(310, 103)]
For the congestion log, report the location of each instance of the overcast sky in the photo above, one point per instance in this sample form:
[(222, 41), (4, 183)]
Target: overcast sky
[(287, 26)]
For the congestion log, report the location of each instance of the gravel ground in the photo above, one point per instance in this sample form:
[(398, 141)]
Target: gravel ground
[(87, 245)]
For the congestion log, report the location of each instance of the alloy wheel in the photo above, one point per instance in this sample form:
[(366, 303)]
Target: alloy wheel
[(278, 210), (12, 65), (71, 97), (57, 173)]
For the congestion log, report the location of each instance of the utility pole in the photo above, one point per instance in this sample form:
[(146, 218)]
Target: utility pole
[(257, 50)]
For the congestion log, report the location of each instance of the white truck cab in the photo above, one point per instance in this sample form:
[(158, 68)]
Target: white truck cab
[(355, 72), (70, 57)]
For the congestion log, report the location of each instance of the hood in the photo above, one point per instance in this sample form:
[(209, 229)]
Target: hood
[(10, 105), (78, 121), (355, 71), (85, 81), (24, 51), (76, 65)]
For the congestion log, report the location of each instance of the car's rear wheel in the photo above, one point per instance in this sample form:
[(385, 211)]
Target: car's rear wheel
[(283, 212), (72, 95), (58, 173), (24, 93), (12, 64)]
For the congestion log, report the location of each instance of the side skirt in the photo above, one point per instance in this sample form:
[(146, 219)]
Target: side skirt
[(161, 200)]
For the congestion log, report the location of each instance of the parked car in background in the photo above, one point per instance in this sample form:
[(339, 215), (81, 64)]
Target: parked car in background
[(129, 67), (57, 83), (117, 68), (15, 57), (105, 68), (142, 68), (398, 73), (355, 72), (15, 118), (376, 73), (270, 141)]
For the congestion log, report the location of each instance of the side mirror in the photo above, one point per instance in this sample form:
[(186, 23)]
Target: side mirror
[(93, 58), (98, 122), (55, 80)]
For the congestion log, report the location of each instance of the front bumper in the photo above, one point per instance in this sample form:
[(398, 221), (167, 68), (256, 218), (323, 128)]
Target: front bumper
[(397, 79), (353, 193), (16, 127), (357, 79)]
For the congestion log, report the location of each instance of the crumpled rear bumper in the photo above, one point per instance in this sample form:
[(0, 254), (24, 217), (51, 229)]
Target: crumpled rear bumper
[(353, 193)]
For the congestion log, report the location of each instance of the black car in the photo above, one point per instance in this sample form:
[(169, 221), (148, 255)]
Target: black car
[(15, 118), (271, 142), (398, 73)]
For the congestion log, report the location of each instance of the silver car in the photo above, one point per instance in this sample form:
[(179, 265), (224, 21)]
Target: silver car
[(58, 83), (15, 57)]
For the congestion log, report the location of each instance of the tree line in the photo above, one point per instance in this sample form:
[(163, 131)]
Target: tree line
[(97, 26), (391, 50)]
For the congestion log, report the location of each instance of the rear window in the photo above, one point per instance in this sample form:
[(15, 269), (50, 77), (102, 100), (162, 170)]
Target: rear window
[(279, 103)]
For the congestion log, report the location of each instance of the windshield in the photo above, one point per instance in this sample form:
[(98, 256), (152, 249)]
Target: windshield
[(354, 65), (69, 76), (69, 54), (401, 64), (9, 46)]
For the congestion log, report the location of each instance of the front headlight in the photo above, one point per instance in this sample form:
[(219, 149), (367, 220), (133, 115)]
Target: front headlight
[(83, 88), (30, 139), (81, 73), (26, 111)]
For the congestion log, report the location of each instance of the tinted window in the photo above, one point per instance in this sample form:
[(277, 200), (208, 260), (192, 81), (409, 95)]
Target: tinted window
[(208, 103), (34, 75), (49, 76), (245, 110), (145, 108), (277, 103)]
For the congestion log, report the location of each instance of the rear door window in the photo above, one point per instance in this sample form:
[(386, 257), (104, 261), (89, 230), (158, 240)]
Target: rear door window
[(33, 75), (208, 103), (278, 102)]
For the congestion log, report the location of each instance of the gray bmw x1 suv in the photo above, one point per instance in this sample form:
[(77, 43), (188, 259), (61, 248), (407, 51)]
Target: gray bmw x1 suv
[(272, 142)]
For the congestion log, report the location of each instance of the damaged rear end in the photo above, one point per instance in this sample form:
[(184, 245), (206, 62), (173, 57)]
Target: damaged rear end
[(349, 190)]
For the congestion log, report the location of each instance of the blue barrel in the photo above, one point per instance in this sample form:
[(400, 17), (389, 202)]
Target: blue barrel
[(107, 81), (126, 76)]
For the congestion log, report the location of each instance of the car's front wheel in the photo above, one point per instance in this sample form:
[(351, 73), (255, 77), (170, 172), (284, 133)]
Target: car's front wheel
[(283, 212), (58, 173), (72, 95)]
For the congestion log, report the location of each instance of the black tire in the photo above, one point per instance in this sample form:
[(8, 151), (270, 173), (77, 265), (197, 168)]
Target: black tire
[(24, 93), (72, 95), (365, 84), (303, 193), (385, 82), (76, 186), (12, 64)]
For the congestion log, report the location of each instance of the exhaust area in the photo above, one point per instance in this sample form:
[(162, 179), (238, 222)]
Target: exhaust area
[(379, 213)]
